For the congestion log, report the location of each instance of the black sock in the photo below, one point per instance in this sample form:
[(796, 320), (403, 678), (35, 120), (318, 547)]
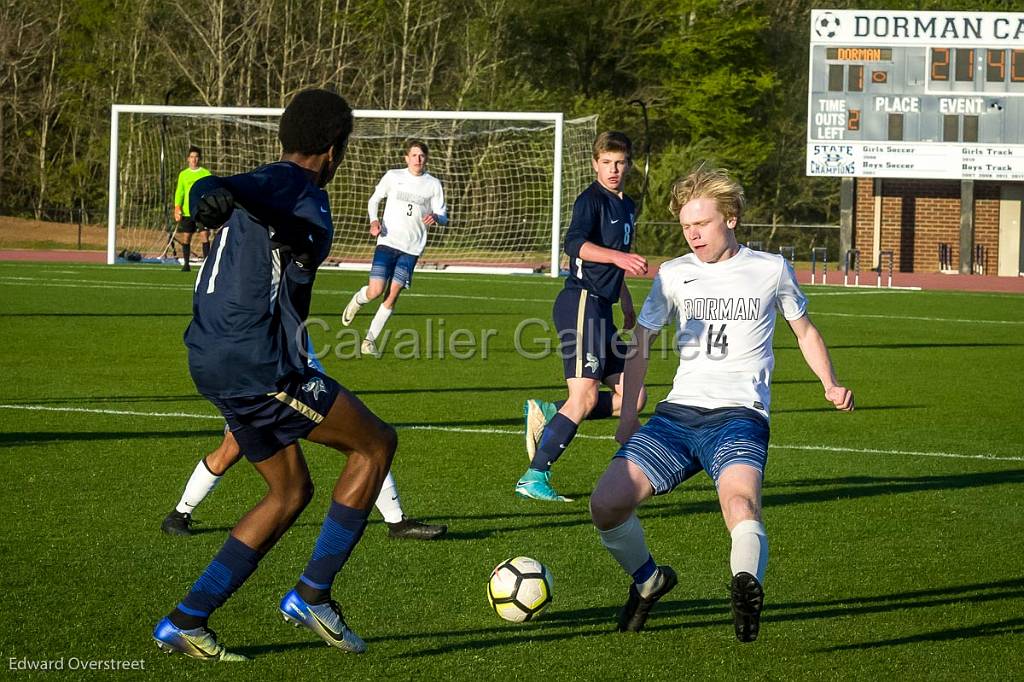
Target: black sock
[(312, 595), (206, 249), (185, 621), (186, 252)]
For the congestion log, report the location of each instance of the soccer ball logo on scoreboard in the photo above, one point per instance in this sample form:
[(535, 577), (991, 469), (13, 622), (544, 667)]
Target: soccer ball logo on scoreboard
[(827, 25)]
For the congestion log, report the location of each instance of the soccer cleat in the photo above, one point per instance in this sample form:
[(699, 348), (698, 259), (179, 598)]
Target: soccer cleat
[(536, 485), (199, 643), (536, 414), (747, 602), (369, 348), (325, 620), (411, 529), (186, 268), (177, 523), (349, 313), (634, 613)]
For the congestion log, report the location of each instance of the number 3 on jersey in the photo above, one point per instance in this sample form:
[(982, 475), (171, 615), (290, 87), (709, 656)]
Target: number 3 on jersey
[(409, 210)]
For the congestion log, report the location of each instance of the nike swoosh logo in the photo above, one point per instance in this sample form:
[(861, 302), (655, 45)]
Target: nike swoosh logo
[(614, 221), (324, 210), (687, 281), (335, 637)]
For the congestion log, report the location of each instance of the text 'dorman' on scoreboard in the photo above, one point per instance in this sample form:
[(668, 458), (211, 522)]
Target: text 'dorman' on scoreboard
[(916, 94)]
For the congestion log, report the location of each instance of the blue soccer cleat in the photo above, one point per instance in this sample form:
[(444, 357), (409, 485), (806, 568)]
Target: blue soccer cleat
[(323, 619), (199, 643), (536, 485), (536, 414)]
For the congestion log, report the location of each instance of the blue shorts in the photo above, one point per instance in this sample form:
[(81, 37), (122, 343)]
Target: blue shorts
[(589, 341), (389, 263), (264, 424), (679, 441)]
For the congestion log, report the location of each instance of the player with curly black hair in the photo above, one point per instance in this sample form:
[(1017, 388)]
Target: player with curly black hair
[(246, 349)]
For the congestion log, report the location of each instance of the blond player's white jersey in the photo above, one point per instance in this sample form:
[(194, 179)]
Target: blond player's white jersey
[(726, 313), (409, 199)]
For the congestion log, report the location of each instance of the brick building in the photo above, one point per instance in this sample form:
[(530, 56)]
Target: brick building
[(980, 222)]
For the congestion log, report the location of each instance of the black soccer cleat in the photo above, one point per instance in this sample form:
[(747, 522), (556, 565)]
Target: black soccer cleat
[(177, 523), (411, 529), (634, 613), (747, 602)]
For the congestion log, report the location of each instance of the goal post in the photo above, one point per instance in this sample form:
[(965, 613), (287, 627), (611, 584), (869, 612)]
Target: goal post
[(509, 178)]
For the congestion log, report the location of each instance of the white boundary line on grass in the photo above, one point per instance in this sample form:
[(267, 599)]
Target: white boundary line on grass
[(108, 284), (507, 432)]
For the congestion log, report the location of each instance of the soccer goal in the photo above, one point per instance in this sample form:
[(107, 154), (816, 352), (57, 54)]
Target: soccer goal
[(509, 178)]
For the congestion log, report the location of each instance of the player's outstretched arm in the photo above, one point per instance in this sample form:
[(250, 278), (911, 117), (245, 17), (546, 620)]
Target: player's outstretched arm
[(633, 375), (815, 353)]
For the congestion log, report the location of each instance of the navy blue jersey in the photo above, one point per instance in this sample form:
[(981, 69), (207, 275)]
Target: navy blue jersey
[(601, 218), (253, 293)]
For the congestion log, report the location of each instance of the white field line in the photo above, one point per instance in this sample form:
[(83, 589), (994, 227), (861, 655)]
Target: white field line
[(115, 284), (100, 284), (518, 434)]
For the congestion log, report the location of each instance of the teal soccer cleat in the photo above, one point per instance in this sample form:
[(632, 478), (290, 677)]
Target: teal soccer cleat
[(198, 643), (536, 485), (536, 414), (325, 620)]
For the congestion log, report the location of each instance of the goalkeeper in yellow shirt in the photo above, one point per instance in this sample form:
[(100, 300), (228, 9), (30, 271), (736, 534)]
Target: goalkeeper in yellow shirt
[(182, 214)]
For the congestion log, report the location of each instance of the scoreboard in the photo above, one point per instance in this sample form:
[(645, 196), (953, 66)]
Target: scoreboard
[(901, 94)]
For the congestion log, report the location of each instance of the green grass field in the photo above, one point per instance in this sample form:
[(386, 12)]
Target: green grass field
[(896, 531)]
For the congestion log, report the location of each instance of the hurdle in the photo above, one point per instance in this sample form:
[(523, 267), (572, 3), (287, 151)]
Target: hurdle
[(824, 263), (882, 255), (846, 267)]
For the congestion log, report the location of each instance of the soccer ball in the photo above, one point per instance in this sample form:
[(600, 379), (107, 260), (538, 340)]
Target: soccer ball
[(519, 589), (827, 25)]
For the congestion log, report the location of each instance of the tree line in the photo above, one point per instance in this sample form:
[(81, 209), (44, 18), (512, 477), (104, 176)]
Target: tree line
[(725, 80)]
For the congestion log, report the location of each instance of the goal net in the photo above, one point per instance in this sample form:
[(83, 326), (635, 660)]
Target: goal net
[(509, 178)]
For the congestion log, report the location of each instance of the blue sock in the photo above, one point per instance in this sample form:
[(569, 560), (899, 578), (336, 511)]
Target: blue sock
[(644, 573), (603, 408), (232, 566), (342, 529), (557, 435)]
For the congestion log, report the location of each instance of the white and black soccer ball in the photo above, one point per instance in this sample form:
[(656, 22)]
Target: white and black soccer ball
[(520, 589), (827, 25)]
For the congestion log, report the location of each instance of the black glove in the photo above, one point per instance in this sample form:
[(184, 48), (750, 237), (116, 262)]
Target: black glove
[(215, 207)]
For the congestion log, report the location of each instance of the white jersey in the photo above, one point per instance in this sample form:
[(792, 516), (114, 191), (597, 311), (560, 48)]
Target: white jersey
[(726, 314), (409, 199)]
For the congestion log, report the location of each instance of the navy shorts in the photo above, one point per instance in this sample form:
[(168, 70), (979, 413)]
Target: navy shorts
[(389, 263), (188, 225), (680, 441), (264, 424), (589, 341)]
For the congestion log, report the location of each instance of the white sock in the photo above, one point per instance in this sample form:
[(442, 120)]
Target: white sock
[(388, 503), (361, 298), (749, 549), (200, 484), (626, 543), (379, 320)]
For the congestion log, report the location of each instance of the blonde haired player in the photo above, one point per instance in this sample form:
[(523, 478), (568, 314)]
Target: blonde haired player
[(715, 418), (414, 202)]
